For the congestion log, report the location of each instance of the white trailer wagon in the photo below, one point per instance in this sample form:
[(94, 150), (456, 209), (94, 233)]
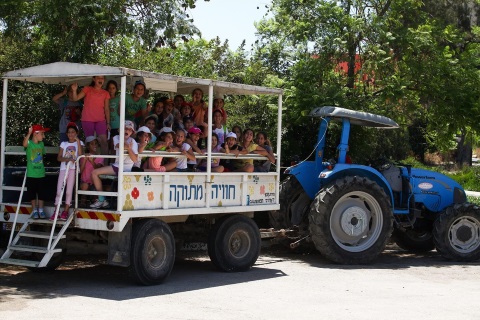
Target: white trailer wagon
[(155, 212)]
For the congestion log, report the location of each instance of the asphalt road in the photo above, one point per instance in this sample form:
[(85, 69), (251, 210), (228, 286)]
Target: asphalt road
[(282, 285)]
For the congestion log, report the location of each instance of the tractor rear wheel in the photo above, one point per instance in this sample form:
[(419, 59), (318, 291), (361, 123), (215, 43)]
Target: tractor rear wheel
[(351, 220), (457, 233), (294, 205), (414, 240)]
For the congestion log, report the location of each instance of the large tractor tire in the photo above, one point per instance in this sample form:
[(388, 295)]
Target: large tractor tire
[(414, 240), (234, 243), (456, 233), (351, 220), (152, 251), (294, 205)]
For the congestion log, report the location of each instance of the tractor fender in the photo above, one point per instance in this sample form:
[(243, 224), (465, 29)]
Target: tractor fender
[(306, 173), (343, 170)]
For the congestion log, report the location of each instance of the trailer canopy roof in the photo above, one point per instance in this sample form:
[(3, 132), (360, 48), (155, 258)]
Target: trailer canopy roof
[(356, 117), (65, 73)]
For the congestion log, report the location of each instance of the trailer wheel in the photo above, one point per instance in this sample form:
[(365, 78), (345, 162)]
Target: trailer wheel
[(414, 240), (351, 220), (457, 233), (234, 243), (294, 205), (152, 252)]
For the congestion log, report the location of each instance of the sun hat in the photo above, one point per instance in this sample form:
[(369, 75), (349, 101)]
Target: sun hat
[(194, 130), (39, 128), (231, 135), (144, 129), (130, 125), (90, 139)]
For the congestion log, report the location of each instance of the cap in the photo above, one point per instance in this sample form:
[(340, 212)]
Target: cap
[(152, 116), (39, 128), (72, 125), (130, 124), (231, 135), (90, 139), (218, 96), (165, 130), (194, 130), (144, 129), (139, 82)]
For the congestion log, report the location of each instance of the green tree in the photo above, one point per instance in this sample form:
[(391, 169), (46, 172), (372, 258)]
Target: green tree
[(77, 30)]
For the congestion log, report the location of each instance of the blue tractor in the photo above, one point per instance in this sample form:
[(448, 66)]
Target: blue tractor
[(350, 211)]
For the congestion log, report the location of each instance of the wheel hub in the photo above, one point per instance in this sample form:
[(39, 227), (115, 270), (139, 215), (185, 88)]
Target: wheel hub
[(465, 234), (354, 221)]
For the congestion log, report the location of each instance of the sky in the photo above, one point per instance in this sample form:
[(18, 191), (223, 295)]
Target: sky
[(229, 19)]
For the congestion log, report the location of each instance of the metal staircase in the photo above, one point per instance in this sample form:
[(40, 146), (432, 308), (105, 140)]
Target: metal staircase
[(35, 249)]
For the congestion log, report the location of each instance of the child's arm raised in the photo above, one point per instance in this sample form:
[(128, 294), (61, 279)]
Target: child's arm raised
[(27, 137)]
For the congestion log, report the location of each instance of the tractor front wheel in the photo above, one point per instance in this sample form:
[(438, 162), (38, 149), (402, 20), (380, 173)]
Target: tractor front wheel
[(457, 233)]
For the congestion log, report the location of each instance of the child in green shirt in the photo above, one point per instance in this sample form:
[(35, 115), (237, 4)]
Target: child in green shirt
[(35, 169)]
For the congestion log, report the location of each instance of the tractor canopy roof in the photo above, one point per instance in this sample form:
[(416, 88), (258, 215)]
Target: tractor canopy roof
[(356, 117)]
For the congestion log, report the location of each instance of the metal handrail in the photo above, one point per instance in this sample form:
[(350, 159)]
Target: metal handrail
[(18, 208)]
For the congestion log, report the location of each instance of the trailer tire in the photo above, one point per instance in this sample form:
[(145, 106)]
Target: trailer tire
[(456, 233), (351, 220), (152, 252), (413, 241), (234, 243), (294, 205)]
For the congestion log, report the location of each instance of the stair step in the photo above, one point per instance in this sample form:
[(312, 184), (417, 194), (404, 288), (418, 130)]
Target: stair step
[(45, 221), (39, 234), (31, 249), (19, 262)]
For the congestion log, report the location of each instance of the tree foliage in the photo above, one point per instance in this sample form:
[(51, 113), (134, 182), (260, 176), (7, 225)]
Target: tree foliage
[(77, 30), (405, 59)]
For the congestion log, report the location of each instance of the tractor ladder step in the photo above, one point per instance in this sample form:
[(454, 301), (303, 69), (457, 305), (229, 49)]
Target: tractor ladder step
[(19, 262), (31, 249)]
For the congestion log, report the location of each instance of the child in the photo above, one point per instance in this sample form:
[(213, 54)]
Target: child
[(88, 164), (35, 183), (187, 124), (167, 119), (251, 147), (192, 140), (231, 147), (143, 139), (128, 161), (96, 110), (179, 145), (151, 124), (199, 109), (69, 152), (262, 140), (164, 143), (218, 127), (70, 110), (112, 88), (216, 167), (218, 104), (136, 107)]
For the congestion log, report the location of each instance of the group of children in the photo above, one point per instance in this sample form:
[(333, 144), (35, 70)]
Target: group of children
[(171, 125)]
